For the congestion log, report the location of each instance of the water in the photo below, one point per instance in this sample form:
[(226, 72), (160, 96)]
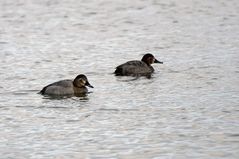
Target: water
[(188, 109)]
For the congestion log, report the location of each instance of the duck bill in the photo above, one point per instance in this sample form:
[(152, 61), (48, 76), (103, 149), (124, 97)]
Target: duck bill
[(89, 85), (157, 61)]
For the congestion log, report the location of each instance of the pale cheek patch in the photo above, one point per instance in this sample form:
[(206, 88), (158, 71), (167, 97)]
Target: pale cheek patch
[(82, 82)]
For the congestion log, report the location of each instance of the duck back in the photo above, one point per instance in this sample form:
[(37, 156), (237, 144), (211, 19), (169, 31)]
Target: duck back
[(133, 68), (63, 87)]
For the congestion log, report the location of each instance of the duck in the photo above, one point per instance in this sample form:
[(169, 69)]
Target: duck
[(67, 87), (136, 67)]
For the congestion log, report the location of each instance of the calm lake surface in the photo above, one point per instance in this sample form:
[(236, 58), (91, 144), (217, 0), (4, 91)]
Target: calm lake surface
[(188, 109)]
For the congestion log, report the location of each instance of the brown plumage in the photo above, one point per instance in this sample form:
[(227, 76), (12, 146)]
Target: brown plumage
[(137, 68), (67, 87)]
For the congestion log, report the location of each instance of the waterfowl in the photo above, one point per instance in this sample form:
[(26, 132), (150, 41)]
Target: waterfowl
[(67, 87), (136, 67)]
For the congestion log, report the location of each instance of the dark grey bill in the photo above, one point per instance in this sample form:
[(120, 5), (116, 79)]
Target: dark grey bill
[(157, 61), (89, 85)]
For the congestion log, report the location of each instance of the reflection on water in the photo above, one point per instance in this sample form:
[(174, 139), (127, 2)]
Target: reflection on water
[(187, 109), (80, 96)]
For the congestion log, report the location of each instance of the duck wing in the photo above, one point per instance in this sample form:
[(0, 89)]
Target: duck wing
[(133, 68), (63, 84)]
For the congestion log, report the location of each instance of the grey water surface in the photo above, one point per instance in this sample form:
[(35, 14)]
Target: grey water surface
[(188, 109)]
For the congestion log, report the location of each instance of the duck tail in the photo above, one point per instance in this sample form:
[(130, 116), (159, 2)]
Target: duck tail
[(118, 71), (42, 91)]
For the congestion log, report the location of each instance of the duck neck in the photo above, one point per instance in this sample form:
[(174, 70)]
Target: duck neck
[(146, 61)]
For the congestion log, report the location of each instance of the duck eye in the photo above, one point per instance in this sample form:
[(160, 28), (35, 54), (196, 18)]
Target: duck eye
[(151, 60)]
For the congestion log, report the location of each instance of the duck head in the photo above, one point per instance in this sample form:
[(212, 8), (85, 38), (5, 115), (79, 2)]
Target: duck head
[(81, 81), (150, 59)]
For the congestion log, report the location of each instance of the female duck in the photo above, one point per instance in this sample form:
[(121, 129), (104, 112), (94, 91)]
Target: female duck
[(137, 68), (67, 87)]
